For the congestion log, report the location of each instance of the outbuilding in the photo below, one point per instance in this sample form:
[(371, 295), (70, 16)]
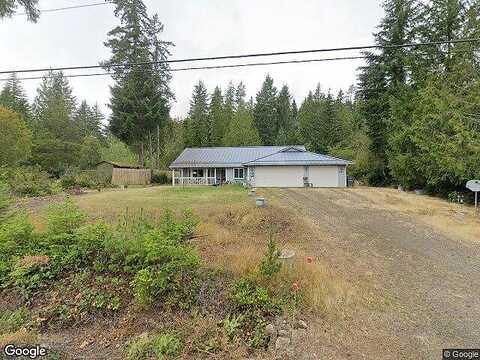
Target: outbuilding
[(259, 166), (123, 174)]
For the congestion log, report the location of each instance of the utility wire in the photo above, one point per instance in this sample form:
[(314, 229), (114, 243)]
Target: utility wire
[(126, 65), (68, 8), (209, 67)]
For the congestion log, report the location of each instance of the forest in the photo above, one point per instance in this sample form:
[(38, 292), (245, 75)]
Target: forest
[(412, 119)]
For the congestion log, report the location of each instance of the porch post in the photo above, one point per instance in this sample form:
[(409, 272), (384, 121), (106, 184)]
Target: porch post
[(215, 174), (205, 174), (182, 176), (173, 177)]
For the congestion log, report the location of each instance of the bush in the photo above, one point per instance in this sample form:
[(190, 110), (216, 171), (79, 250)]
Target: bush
[(29, 181), (162, 346), (161, 177), (84, 179), (270, 264), (64, 218), (11, 321)]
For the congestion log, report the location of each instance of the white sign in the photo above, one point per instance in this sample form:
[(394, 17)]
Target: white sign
[(473, 185)]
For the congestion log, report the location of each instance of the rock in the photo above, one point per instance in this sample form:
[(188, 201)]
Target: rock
[(283, 333), (302, 324), (270, 330), (282, 344)]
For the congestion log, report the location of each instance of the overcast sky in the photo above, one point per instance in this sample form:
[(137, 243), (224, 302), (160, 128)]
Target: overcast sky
[(200, 28)]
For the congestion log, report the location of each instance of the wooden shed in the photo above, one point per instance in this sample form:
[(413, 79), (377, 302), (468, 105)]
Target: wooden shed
[(123, 174)]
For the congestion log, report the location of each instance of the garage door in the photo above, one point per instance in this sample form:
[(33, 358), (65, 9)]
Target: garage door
[(324, 176), (279, 176)]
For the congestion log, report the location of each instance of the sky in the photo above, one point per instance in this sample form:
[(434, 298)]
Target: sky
[(200, 28)]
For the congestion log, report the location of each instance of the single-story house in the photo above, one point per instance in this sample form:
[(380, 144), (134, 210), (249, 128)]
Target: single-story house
[(258, 166), (123, 174)]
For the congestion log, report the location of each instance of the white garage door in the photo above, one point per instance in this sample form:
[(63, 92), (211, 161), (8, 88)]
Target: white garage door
[(279, 176), (325, 176)]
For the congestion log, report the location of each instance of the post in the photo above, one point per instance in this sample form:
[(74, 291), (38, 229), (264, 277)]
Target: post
[(476, 199), (215, 175), (205, 175), (173, 177)]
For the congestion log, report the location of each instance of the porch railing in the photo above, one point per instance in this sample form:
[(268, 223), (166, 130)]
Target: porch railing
[(194, 180)]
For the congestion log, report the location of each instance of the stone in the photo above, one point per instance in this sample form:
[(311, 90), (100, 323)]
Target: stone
[(302, 324), (270, 330), (282, 344)]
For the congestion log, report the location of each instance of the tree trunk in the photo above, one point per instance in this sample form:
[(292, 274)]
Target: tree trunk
[(141, 155), (158, 146), (150, 149)]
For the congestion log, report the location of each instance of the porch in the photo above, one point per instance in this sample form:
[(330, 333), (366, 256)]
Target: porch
[(199, 176)]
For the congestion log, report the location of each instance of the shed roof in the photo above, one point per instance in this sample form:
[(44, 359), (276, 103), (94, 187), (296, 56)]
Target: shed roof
[(119, 165), (224, 156), (252, 155)]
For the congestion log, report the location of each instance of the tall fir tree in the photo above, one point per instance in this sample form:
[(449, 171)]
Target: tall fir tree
[(217, 118), (9, 7), (241, 131), (13, 97), (141, 95), (265, 112), (284, 113), (197, 126)]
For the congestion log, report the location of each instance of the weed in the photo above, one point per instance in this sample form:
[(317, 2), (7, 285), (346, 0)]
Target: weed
[(161, 346)]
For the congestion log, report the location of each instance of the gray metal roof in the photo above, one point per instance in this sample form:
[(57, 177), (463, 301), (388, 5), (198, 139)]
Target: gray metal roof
[(252, 155), (224, 156), (295, 157)]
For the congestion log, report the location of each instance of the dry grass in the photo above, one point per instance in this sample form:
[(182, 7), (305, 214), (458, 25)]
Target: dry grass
[(33, 260), (20, 337), (459, 221)]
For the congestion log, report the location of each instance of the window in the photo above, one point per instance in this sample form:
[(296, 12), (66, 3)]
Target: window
[(197, 173), (238, 173), (211, 172)]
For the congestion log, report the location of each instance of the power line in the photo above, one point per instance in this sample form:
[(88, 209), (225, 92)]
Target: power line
[(68, 8), (225, 57), (209, 67)]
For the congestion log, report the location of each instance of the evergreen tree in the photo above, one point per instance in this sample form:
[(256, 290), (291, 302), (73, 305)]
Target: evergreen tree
[(217, 118), (16, 139), (265, 112), (240, 93), (241, 131), (197, 127), (89, 120), (230, 104), (284, 113), (13, 97), (9, 7), (141, 96)]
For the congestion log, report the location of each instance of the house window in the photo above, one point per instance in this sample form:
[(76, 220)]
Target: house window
[(197, 173), (238, 173), (211, 172)]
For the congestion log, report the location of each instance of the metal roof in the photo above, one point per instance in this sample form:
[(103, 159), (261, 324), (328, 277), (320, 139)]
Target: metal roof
[(252, 155), (295, 157)]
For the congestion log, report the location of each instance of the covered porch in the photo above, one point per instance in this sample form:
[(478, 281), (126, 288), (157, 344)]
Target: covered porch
[(199, 176)]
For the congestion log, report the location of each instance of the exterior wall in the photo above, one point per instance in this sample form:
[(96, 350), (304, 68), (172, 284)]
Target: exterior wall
[(279, 176), (324, 176), (131, 176), (229, 174), (104, 171)]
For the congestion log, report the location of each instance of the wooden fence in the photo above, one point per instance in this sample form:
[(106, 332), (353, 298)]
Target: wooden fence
[(121, 176)]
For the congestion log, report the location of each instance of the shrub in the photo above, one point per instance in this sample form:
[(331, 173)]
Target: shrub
[(30, 181), (162, 346), (64, 218), (161, 177), (13, 320), (270, 264)]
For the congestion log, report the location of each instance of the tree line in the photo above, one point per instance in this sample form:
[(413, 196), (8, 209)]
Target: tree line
[(412, 119)]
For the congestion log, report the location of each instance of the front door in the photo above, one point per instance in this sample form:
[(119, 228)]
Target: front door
[(221, 175)]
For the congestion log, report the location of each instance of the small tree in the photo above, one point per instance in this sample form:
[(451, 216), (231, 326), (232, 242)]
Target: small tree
[(15, 139)]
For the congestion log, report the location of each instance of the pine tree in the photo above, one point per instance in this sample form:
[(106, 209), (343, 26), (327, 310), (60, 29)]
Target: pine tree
[(9, 7), (88, 120), (217, 118), (13, 97), (241, 131), (284, 113), (198, 125), (141, 95), (230, 104), (265, 112)]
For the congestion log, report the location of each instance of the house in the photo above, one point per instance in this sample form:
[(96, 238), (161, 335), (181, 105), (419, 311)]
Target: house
[(122, 174), (258, 166)]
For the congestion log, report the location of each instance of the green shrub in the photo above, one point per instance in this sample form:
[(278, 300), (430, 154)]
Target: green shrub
[(162, 346), (64, 218), (13, 320), (31, 181), (270, 264), (161, 177)]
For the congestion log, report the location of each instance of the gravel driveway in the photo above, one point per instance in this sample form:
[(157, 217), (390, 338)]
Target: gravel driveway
[(428, 281)]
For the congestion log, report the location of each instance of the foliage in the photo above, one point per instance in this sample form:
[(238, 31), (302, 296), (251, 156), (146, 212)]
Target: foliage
[(8, 9), (13, 320), (160, 346), (265, 112), (161, 177), (16, 139), (197, 127), (13, 98), (117, 151), (29, 181), (64, 218), (90, 152), (270, 264), (141, 95), (241, 131)]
